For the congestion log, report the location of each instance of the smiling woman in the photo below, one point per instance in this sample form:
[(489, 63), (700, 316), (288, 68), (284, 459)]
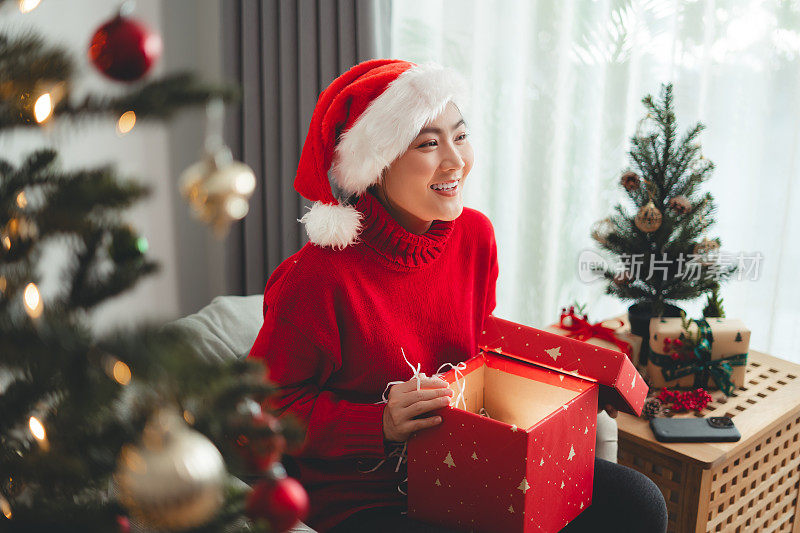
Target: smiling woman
[(426, 182), (398, 273)]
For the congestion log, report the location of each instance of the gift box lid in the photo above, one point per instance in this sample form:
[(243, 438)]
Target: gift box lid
[(620, 382)]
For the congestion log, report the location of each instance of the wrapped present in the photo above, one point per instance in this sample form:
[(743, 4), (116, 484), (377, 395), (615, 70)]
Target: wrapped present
[(712, 353), (614, 333), (515, 449)]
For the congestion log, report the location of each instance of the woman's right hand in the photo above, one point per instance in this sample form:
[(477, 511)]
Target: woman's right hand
[(406, 402)]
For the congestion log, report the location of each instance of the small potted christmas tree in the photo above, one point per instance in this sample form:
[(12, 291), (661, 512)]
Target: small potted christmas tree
[(660, 237)]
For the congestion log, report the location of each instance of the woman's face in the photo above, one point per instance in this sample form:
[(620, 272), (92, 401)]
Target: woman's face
[(426, 182)]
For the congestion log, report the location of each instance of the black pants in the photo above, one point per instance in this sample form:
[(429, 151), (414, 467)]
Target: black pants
[(622, 500)]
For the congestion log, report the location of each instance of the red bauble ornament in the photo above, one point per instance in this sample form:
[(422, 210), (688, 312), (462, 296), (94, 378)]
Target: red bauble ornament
[(123, 524), (282, 502), (124, 49)]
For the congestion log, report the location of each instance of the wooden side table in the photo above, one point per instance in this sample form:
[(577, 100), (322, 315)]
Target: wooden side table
[(750, 485)]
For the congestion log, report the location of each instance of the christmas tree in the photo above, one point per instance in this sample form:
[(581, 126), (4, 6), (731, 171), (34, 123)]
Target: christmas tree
[(659, 237), (132, 423)]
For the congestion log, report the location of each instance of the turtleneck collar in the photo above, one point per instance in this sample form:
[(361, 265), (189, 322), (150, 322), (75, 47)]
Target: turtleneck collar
[(381, 232)]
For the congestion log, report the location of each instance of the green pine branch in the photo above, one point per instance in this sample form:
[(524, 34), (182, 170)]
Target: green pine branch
[(29, 67)]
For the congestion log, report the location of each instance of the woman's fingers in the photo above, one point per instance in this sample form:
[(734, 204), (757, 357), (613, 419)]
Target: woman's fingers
[(424, 383), (425, 406), (413, 426), (421, 395)]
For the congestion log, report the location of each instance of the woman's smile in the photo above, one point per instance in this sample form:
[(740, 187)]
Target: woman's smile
[(447, 188)]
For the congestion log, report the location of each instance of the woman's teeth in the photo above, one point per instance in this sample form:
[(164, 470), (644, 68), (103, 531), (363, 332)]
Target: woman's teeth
[(445, 186)]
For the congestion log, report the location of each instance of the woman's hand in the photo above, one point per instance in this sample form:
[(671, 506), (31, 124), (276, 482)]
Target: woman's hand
[(406, 403), (608, 409)]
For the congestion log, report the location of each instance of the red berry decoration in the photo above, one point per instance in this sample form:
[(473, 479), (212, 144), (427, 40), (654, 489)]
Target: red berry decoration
[(124, 49), (695, 400), (282, 502)]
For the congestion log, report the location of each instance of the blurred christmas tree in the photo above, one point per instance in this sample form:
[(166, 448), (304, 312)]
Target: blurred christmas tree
[(661, 245), (94, 429)]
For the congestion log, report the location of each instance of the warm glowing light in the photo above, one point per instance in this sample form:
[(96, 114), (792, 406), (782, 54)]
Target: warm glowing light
[(6, 241), (236, 207), (22, 201), (26, 6), (121, 373), (189, 417), (5, 507), (43, 108), (244, 184), (33, 302), (126, 122), (37, 429)]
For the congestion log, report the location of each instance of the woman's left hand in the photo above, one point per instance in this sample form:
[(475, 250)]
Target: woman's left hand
[(608, 409)]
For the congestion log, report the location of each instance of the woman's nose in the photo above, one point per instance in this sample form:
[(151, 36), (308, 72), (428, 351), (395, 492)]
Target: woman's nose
[(452, 159)]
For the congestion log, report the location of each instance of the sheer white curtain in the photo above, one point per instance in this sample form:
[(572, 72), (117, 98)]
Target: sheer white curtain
[(556, 90)]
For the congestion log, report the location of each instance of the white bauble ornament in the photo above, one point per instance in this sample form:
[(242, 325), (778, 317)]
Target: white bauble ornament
[(218, 189), (174, 479), (601, 229)]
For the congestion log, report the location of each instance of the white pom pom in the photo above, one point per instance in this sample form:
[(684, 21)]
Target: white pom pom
[(336, 226)]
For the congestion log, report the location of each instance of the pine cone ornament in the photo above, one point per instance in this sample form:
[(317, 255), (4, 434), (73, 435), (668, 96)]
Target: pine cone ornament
[(630, 181), (706, 246), (651, 408), (623, 278), (680, 205)]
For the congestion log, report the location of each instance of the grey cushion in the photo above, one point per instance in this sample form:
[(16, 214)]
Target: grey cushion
[(226, 328)]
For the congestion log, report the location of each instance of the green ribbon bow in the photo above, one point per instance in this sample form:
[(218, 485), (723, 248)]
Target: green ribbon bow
[(701, 365)]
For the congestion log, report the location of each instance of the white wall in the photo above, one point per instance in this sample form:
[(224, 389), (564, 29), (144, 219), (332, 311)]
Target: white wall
[(191, 261)]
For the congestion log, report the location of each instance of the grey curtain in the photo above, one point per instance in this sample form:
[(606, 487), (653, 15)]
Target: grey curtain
[(284, 53)]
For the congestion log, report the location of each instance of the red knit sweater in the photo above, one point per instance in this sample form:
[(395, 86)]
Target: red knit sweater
[(334, 323)]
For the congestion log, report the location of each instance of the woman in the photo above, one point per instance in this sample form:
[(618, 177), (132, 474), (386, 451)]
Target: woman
[(396, 268)]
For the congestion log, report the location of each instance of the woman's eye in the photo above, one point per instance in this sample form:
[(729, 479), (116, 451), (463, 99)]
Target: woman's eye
[(461, 137)]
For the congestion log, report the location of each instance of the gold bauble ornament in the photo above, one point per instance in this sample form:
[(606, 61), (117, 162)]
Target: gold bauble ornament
[(174, 479), (648, 219), (218, 189)]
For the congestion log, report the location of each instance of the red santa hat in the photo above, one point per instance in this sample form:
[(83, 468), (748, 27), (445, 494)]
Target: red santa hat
[(362, 122)]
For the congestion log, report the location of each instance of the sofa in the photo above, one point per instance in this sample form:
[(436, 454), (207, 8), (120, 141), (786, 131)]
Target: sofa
[(227, 327)]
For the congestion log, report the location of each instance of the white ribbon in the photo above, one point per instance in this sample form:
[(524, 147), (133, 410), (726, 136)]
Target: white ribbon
[(459, 382), (416, 374), (400, 452)]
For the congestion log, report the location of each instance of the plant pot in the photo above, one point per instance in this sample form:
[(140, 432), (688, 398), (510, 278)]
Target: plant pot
[(639, 316)]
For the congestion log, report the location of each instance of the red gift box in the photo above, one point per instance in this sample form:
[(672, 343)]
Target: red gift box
[(529, 465)]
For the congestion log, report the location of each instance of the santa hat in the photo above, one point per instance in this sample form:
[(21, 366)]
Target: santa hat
[(362, 122)]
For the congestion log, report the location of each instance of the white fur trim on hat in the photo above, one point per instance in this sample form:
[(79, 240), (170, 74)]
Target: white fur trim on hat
[(391, 121), (337, 226)]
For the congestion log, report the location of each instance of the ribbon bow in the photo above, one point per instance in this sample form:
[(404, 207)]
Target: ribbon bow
[(701, 365), (581, 329)]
